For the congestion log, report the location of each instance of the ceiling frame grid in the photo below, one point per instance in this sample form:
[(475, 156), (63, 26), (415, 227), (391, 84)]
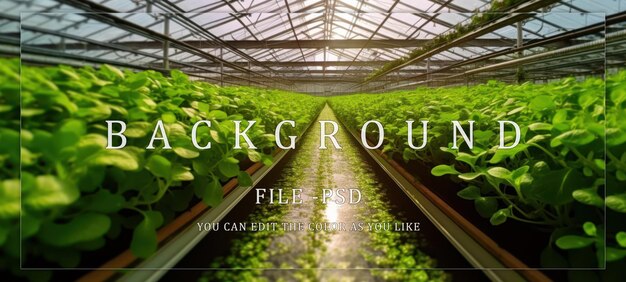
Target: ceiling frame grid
[(305, 32)]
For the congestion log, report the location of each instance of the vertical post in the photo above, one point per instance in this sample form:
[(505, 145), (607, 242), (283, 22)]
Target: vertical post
[(249, 74), (428, 71), (166, 43), (222, 67), (324, 65), (520, 42), (149, 6)]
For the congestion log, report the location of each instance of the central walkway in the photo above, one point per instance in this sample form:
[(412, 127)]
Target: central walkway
[(341, 255)]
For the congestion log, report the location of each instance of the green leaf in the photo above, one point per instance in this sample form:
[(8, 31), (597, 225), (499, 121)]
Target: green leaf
[(590, 229), (614, 254), (576, 137), (184, 148), (121, 159), (82, 228), (500, 216), (144, 242), (30, 225), (103, 201), (615, 137), (503, 154), (136, 81), (181, 173), (177, 131), (620, 237), (254, 156), (600, 164), (556, 187), (49, 192), (112, 72), (213, 193), (155, 217), (10, 199), (244, 179), (179, 76), (159, 166), (138, 129), (516, 110), (408, 154), (203, 107), (470, 175), (168, 117), (443, 170), (541, 103), (10, 140), (467, 158), (216, 136), (486, 206), (66, 137), (228, 168), (616, 202), (570, 242), (500, 172), (217, 115), (267, 160), (537, 138), (519, 172), (588, 196), (469, 193), (540, 126)]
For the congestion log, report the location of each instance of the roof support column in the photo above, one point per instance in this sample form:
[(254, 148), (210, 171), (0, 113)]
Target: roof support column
[(428, 72), (520, 42), (222, 67), (166, 43)]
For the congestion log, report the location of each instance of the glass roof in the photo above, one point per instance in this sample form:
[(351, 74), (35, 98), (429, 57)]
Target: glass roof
[(275, 35)]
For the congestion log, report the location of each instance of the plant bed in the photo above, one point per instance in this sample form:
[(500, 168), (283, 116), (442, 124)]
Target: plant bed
[(507, 259), (562, 145), (506, 235), (126, 259), (80, 198)]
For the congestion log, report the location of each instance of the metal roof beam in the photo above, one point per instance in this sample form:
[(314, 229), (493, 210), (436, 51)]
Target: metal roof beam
[(519, 13), (352, 71), (299, 64), (290, 44), (137, 29)]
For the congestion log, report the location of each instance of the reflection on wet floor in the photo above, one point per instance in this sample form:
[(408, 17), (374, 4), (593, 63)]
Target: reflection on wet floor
[(328, 255)]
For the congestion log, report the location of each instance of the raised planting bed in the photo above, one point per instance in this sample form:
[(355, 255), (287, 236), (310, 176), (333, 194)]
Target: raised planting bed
[(548, 189), (81, 203)]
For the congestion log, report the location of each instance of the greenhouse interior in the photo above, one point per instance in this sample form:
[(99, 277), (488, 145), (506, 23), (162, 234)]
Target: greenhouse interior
[(306, 140)]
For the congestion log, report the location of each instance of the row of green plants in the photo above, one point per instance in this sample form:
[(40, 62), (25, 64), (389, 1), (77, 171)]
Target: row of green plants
[(479, 19), (558, 178), (78, 196)]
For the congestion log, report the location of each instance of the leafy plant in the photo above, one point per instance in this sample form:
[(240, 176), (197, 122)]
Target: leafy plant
[(555, 177), (78, 196)]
